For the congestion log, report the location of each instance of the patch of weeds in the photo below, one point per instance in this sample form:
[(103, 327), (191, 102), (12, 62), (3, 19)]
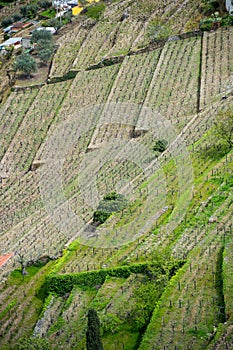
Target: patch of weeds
[(95, 11)]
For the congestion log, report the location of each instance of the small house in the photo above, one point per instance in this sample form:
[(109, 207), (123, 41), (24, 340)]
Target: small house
[(5, 258), (52, 30), (17, 26), (16, 42), (7, 29)]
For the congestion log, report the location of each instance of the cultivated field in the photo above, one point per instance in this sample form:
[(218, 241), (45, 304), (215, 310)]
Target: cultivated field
[(159, 271)]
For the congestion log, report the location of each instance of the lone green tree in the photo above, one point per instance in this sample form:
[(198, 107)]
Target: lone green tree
[(111, 203), (45, 50), (93, 339), (41, 35), (25, 63), (55, 23)]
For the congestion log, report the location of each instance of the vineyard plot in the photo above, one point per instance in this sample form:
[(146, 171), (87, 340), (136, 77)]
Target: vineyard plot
[(173, 92), (128, 98), (172, 17), (191, 305), (33, 128), (69, 44), (12, 114), (217, 65), (86, 55), (121, 40)]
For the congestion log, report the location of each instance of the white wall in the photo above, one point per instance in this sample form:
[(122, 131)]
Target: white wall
[(229, 5)]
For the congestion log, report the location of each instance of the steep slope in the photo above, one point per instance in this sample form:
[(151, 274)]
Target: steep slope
[(94, 129)]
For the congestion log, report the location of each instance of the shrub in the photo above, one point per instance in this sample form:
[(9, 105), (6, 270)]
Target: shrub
[(95, 11), (160, 146), (206, 24), (41, 35), (6, 22), (157, 30), (227, 20), (44, 4), (16, 17), (111, 203)]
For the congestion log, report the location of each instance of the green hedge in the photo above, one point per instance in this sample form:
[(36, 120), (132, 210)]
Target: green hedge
[(62, 284)]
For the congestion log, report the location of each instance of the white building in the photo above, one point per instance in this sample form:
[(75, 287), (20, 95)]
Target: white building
[(16, 42), (229, 6)]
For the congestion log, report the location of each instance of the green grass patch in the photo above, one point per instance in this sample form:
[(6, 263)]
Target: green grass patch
[(95, 11), (49, 13), (125, 338), (16, 276), (8, 308)]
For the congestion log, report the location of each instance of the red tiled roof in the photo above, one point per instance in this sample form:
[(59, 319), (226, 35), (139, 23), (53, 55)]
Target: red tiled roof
[(5, 258)]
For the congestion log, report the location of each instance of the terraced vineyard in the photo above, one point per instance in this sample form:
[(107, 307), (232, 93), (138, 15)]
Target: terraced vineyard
[(217, 65), (115, 118)]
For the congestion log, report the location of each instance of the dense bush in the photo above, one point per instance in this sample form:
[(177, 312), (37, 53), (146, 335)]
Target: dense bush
[(95, 11), (227, 20), (6, 22), (112, 202), (41, 35), (206, 24), (160, 146), (44, 4), (29, 11)]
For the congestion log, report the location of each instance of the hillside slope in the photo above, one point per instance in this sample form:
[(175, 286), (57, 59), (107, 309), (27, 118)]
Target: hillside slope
[(158, 271)]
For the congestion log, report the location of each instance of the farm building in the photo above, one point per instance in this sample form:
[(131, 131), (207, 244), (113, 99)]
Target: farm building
[(16, 42), (52, 30), (7, 29), (5, 258), (229, 5), (72, 3), (16, 27)]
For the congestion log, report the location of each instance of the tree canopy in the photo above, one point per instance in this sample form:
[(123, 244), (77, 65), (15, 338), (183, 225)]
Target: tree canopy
[(93, 339), (41, 35), (25, 63), (112, 202), (55, 23), (44, 50)]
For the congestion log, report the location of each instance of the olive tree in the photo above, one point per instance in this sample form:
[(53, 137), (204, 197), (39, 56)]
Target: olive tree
[(26, 64)]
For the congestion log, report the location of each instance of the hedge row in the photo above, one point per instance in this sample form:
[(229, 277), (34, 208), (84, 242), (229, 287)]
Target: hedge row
[(62, 284)]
